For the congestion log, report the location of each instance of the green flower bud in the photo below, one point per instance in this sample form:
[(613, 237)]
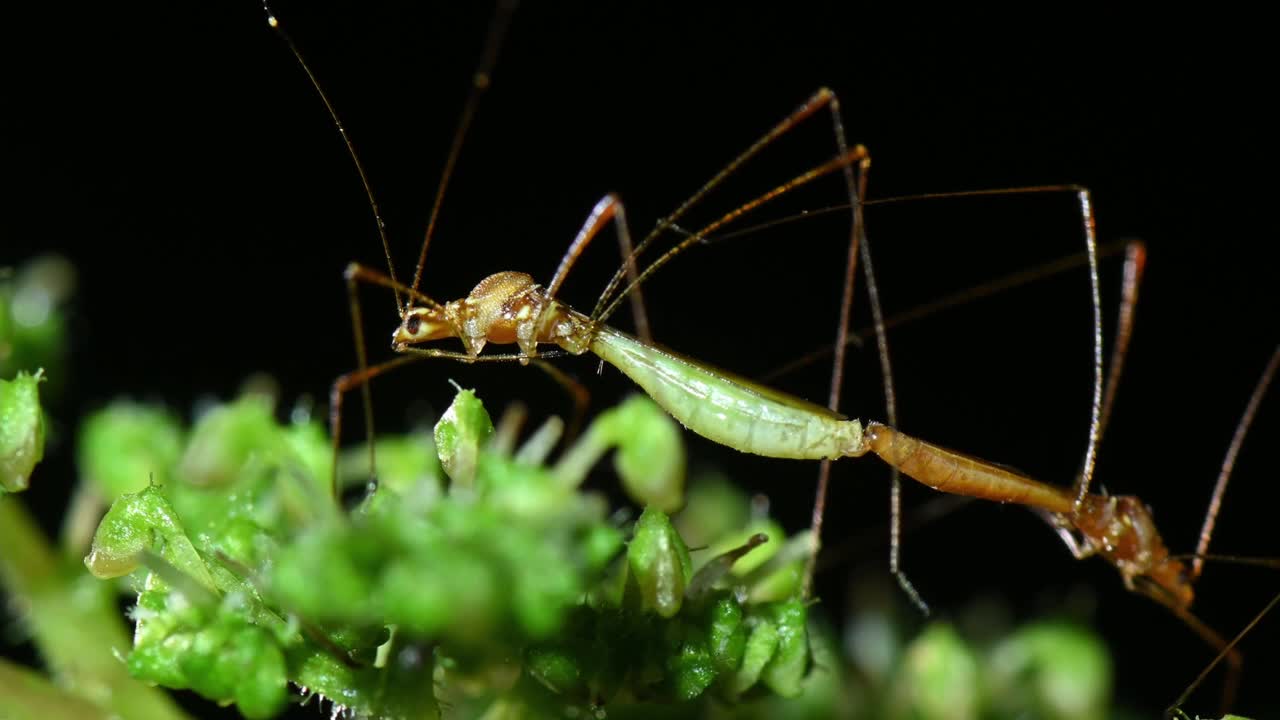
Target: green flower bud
[(659, 563), (727, 636), (762, 643), (460, 434), (143, 522), (21, 431), (790, 662)]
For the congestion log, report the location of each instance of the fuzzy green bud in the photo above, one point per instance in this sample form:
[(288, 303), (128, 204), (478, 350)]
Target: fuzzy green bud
[(659, 564), (21, 431), (138, 523), (460, 434)]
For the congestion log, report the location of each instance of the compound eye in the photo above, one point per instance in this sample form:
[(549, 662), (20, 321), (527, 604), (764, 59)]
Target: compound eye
[(1184, 575), (413, 324)]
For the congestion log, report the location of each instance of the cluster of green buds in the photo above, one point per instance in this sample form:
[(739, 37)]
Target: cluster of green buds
[(684, 633), (470, 553), (480, 577)]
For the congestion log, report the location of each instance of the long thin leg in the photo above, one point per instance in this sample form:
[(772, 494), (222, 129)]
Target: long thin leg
[(1229, 462), (639, 316), (1227, 652), (892, 200), (1091, 249), (994, 287), (577, 393), (859, 248), (366, 394), (374, 277), (1135, 261), (852, 157), (816, 102), (891, 411), (1095, 407), (354, 275), (468, 359), (857, 192), (1134, 264), (607, 208), (1012, 280), (360, 378), (480, 81)]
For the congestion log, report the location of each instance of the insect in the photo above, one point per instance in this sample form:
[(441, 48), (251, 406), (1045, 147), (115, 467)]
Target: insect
[(510, 308)]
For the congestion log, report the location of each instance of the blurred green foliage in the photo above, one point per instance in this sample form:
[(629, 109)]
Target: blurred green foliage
[(503, 582), (33, 321)]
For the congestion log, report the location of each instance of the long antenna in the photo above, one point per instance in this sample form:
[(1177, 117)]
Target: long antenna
[(479, 83), (853, 156), (606, 304), (351, 148)]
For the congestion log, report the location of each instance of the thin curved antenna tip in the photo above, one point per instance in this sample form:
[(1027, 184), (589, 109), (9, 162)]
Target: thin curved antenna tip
[(607, 303), (381, 227), (987, 192), (481, 79), (615, 299)]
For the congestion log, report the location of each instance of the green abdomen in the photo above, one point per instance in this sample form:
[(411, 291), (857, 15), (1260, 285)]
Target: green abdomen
[(729, 410)]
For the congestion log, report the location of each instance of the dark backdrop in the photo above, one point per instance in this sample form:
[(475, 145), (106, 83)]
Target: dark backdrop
[(178, 155)]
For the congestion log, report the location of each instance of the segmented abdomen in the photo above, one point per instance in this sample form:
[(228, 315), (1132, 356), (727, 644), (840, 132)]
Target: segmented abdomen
[(727, 409), (952, 472)]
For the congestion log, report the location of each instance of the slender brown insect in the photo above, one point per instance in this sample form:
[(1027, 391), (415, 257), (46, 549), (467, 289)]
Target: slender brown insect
[(511, 308)]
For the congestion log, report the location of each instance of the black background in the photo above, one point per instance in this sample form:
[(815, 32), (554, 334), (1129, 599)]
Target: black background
[(178, 155)]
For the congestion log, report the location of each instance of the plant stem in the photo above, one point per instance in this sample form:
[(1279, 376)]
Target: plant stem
[(30, 696), (73, 620)]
